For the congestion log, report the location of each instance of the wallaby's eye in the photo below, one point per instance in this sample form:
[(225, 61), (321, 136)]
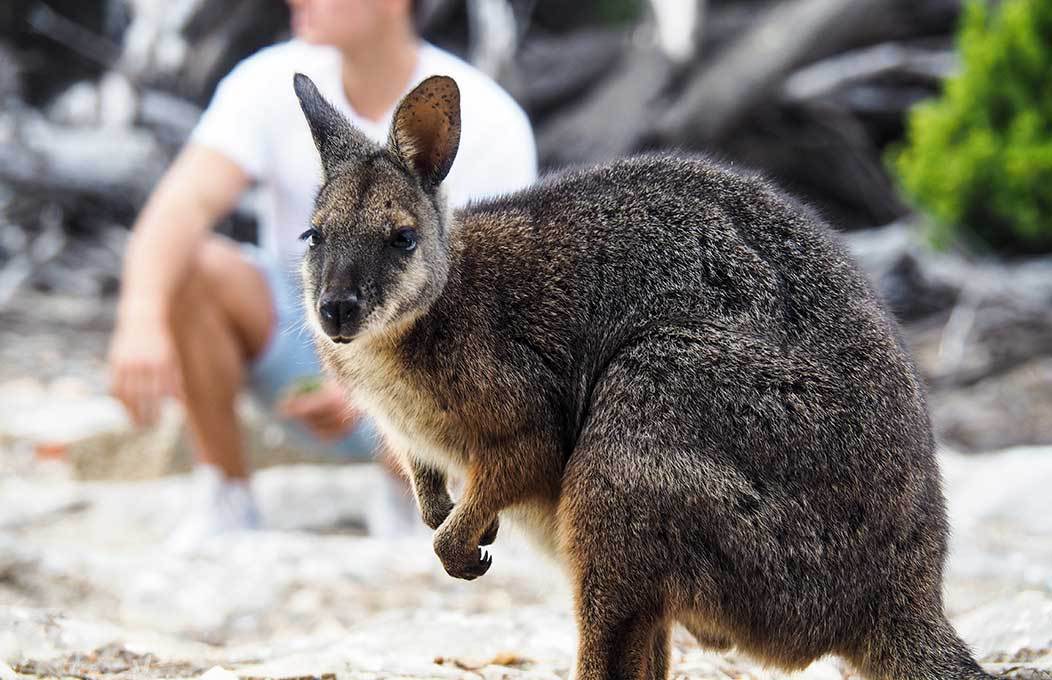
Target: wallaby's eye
[(312, 236), (404, 239)]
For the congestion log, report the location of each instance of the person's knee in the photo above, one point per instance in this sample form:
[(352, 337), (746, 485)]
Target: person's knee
[(195, 294), (222, 282)]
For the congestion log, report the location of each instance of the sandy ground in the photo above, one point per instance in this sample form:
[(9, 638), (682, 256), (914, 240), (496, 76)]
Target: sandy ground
[(88, 589)]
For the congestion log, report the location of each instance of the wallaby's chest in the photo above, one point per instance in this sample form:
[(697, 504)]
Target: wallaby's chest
[(406, 413), (414, 424)]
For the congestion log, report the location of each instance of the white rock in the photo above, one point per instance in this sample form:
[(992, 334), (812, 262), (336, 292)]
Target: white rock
[(219, 673), (1023, 621)]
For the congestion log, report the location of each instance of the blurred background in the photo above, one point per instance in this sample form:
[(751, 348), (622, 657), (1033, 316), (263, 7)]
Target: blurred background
[(921, 129)]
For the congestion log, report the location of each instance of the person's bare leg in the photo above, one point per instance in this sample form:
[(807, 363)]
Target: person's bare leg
[(222, 318)]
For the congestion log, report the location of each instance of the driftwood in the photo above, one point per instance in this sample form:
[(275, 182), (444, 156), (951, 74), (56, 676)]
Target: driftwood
[(495, 35), (10, 87), (989, 316), (774, 74), (786, 36), (552, 72), (680, 26), (609, 122), (809, 91), (821, 152), (61, 29), (431, 14), (905, 62), (219, 35), (50, 158)]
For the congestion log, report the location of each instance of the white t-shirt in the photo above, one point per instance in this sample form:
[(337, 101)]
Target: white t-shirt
[(255, 120)]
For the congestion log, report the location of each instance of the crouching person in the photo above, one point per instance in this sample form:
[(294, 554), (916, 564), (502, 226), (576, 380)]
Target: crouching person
[(201, 317)]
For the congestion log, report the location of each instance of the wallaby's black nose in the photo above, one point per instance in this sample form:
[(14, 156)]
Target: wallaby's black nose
[(339, 314)]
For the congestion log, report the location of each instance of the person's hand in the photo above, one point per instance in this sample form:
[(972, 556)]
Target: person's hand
[(324, 409), (144, 367)]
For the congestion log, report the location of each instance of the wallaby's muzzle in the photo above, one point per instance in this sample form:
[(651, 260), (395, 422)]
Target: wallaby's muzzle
[(339, 313)]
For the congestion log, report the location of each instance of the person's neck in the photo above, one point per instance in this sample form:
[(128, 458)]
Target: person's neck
[(375, 76)]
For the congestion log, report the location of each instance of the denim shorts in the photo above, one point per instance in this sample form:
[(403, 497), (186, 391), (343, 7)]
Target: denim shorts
[(289, 356)]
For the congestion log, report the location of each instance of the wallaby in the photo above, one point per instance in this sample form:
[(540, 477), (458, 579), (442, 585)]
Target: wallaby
[(668, 372)]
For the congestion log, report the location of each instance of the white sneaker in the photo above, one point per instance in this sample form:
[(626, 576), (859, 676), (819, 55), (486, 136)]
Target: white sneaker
[(218, 505)]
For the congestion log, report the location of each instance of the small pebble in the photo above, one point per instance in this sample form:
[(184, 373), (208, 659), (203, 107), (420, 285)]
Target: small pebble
[(219, 673)]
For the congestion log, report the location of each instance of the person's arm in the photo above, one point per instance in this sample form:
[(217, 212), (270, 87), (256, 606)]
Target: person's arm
[(200, 188)]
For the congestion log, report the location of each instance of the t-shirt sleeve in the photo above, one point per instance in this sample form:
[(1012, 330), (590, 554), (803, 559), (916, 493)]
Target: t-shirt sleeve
[(234, 123), (498, 156)]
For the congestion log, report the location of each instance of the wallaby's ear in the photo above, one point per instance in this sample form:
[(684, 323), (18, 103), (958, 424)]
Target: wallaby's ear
[(336, 139), (425, 133)]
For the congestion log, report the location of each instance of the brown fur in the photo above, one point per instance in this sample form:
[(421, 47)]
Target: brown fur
[(668, 371)]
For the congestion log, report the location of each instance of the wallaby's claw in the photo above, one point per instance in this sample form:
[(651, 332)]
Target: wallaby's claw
[(472, 569), (486, 560), (468, 565)]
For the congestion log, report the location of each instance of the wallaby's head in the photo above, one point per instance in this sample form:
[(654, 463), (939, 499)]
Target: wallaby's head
[(377, 243)]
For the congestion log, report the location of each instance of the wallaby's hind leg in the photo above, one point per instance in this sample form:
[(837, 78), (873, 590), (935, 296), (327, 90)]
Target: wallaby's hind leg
[(618, 570), (662, 651), (634, 648), (917, 651)]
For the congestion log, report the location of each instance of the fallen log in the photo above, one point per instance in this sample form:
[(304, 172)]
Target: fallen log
[(787, 36), (551, 72), (903, 62), (610, 121), (118, 165)]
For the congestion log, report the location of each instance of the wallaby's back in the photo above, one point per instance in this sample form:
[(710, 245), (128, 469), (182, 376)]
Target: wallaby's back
[(583, 264)]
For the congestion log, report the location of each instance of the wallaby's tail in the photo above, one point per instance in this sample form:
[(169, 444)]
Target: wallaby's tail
[(919, 651)]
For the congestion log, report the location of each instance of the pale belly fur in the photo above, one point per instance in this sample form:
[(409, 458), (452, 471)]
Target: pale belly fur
[(535, 520), (385, 399)]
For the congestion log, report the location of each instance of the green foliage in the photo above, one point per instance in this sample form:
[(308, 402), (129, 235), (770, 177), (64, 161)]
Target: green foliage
[(979, 158), (563, 16), (619, 11)]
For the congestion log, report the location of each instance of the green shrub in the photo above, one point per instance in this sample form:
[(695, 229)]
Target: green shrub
[(979, 158), (619, 11)]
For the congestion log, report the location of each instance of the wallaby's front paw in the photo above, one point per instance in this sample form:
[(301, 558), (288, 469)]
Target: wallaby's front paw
[(460, 561), (435, 513), (491, 533)]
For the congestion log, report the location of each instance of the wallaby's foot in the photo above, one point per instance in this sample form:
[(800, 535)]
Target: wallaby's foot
[(919, 651), (459, 560)]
